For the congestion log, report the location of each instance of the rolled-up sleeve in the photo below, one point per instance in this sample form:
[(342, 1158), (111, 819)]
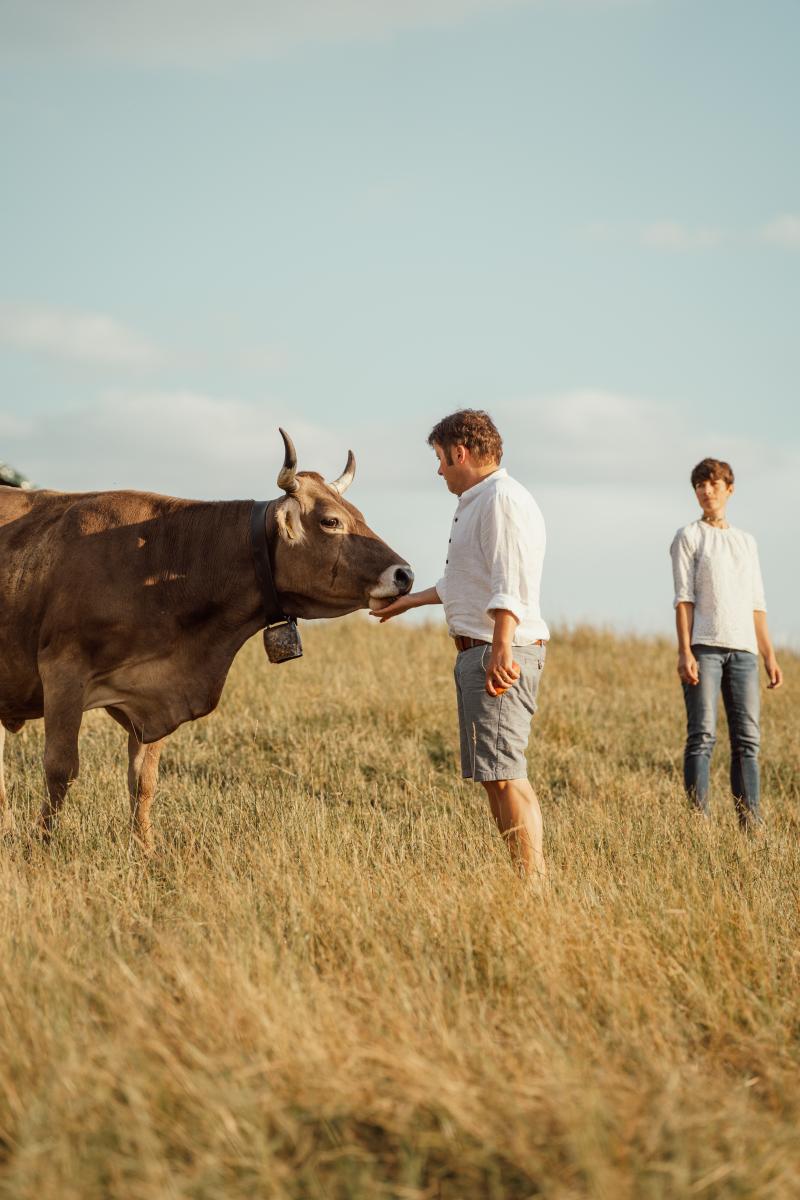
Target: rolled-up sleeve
[(682, 556), (506, 543)]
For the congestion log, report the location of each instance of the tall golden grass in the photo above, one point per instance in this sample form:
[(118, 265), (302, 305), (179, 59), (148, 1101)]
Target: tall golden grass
[(328, 982)]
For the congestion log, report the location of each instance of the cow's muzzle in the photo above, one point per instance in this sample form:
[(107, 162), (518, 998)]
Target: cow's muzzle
[(403, 578), (394, 581)]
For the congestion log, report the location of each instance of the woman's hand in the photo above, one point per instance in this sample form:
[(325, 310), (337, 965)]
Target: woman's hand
[(688, 669), (774, 673)]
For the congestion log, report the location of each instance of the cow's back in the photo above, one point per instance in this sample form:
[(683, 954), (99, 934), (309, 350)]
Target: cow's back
[(46, 541), (106, 577)]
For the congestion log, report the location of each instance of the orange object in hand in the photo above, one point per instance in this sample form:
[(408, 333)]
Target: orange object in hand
[(499, 690)]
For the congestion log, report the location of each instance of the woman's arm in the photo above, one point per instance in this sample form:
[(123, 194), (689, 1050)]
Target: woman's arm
[(687, 663), (774, 672)]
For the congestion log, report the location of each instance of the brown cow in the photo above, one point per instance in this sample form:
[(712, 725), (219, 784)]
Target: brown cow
[(138, 603)]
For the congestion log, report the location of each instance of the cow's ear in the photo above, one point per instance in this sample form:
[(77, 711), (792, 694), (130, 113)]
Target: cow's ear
[(288, 518)]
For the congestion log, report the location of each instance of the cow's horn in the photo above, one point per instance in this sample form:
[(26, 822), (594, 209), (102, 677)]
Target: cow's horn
[(343, 482), (286, 475)]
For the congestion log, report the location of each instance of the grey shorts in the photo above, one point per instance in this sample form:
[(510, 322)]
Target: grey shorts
[(495, 729)]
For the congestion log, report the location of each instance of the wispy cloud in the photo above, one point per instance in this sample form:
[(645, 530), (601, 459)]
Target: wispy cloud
[(180, 442), (204, 33), (590, 438), (672, 235), (191, 442), (783, 231), (668, 235), (83, 337)]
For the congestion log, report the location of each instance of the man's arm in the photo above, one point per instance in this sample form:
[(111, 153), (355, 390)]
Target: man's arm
[(774, 672), (687, 663), (513, 544), (502, 672), (404, 603)]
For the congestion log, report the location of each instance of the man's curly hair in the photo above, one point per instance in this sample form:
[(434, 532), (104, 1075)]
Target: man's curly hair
[(470, 427)]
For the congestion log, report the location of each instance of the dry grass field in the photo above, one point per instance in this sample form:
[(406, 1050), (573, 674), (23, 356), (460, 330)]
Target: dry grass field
[(328, 982)]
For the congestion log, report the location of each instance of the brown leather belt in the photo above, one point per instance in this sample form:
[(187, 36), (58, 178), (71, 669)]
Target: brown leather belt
[(467, 643)]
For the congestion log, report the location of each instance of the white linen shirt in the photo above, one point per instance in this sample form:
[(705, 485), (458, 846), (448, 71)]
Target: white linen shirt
[(494, 560), (717, 571)]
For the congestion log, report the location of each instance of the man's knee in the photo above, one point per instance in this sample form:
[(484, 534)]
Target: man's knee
[(517, 792), (494, 785), (500, 787)]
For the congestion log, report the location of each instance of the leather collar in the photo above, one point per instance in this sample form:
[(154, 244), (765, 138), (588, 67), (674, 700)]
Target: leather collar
[(262, 562)]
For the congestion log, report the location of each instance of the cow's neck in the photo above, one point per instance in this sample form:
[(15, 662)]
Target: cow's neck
[(263, 531), (219, 582)]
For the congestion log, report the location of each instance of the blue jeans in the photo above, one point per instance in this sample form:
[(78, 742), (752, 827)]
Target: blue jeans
[(735, 673)]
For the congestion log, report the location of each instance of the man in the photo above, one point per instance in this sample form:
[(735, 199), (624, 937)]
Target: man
[(490, 593), (721, 620)]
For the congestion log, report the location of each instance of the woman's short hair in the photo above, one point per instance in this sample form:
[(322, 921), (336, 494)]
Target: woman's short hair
[(712, 469), (470, 427)]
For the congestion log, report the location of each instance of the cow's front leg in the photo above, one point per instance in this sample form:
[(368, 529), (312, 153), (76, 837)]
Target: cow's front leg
[(142, 780), (6, 815), (63, 711)]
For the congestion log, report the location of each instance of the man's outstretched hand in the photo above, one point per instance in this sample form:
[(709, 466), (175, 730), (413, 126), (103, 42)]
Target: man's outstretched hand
[(392, 609), (384, 611)]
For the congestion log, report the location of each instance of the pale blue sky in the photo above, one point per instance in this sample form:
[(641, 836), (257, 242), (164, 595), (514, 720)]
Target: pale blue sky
[(353, 218)]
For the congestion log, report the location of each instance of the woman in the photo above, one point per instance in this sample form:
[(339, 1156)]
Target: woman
[(721, 620)]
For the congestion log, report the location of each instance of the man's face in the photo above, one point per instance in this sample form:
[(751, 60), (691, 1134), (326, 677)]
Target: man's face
[(713, 495), (453, 472)]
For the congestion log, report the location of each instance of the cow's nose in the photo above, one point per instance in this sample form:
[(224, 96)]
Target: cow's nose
[(403, 578)]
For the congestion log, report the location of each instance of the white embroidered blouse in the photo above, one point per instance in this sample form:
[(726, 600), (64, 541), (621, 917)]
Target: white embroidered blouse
[(717, 570)]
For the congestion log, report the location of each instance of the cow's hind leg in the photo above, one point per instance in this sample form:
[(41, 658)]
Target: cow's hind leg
[(63, 710), (6, 815), (142, 780)]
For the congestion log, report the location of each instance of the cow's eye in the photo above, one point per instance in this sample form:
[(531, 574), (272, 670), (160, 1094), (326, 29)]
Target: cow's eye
[(331, 523)]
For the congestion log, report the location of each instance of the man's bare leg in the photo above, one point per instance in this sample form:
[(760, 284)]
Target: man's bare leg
[(516, 811)]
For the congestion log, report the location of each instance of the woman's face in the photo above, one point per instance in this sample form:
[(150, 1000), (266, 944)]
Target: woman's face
[(713, 495)]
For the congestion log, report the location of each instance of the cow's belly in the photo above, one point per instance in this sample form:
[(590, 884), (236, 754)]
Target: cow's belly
[(103, 699), (155, 694), (155, 699), (153, 716)]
